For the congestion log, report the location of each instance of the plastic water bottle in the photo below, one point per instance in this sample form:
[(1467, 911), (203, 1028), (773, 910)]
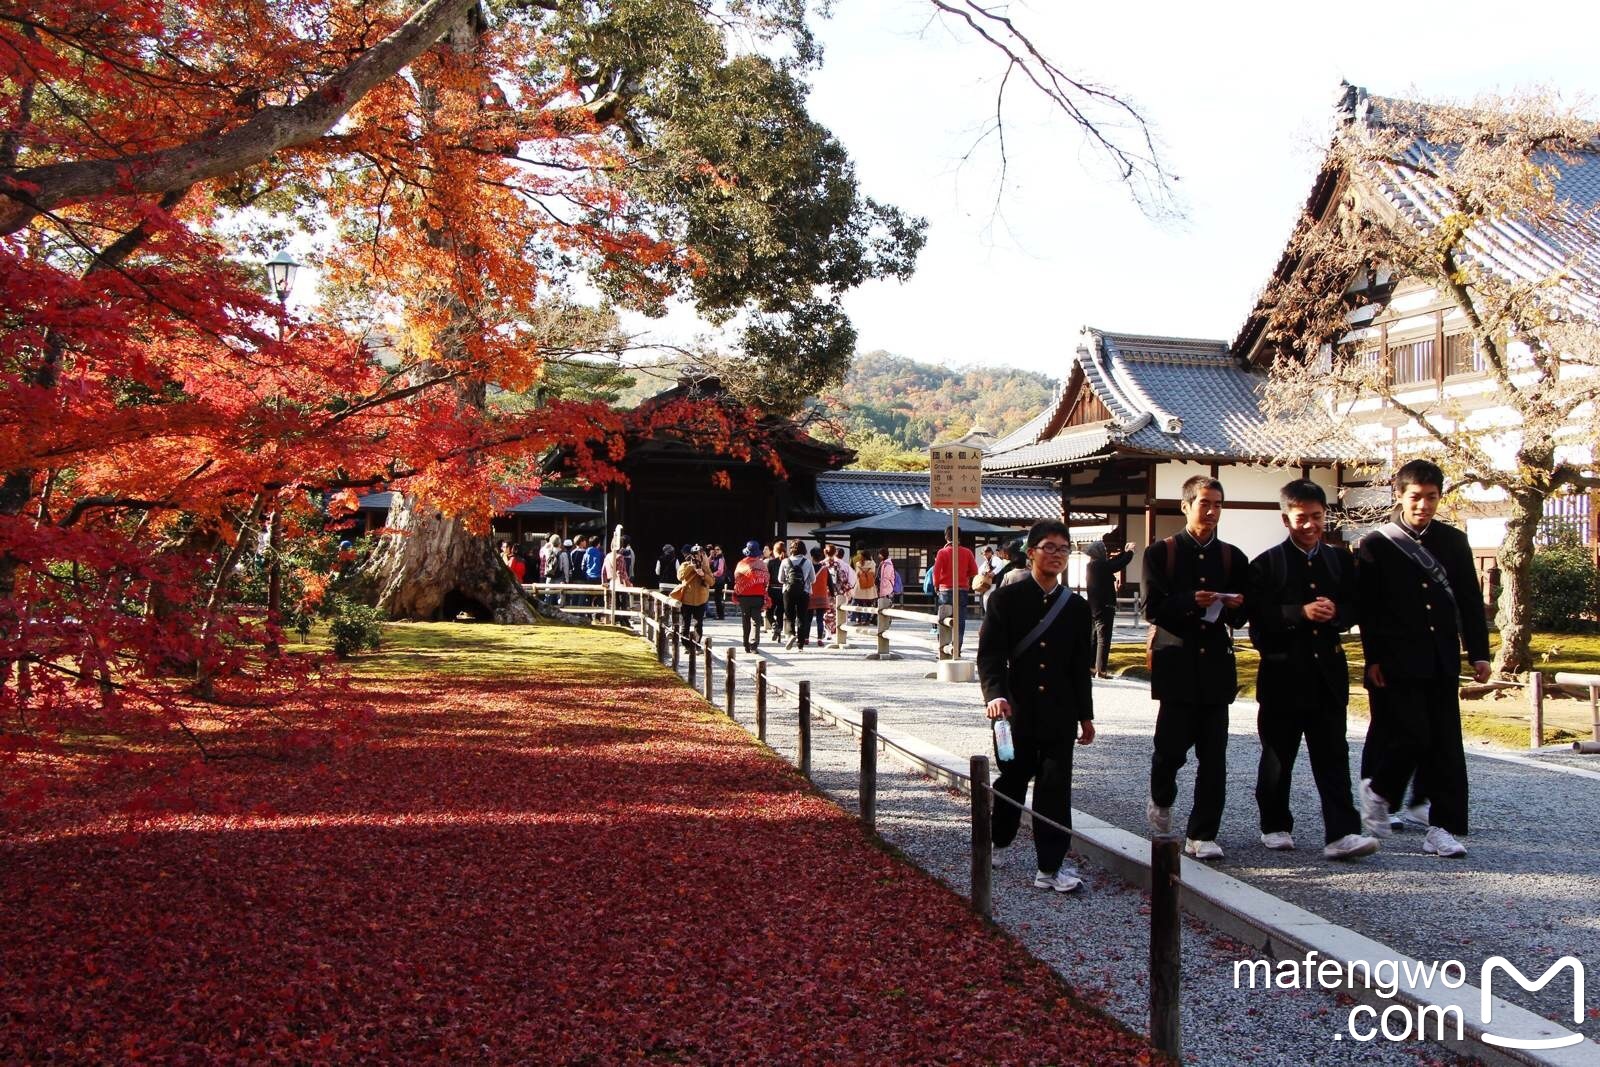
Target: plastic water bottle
[(1002, 740)]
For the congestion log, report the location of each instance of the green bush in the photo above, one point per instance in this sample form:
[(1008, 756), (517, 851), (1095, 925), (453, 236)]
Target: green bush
[(1564, 586), (355, 627)]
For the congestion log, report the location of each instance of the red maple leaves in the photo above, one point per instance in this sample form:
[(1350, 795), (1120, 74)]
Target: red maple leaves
[(515, 870)]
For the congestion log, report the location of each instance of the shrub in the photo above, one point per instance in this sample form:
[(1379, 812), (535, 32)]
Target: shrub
[(1564, 586), (355, 627)]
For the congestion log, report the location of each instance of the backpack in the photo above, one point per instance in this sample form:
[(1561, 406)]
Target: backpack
[(1155, 636), (822, 584), (797, 575), (899, 583), (927, 581)]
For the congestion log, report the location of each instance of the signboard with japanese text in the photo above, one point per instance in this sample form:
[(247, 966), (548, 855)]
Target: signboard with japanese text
[(955, 476)]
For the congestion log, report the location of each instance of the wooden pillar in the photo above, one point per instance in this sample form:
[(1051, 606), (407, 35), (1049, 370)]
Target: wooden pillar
[(1166, 944), (982, 841), (1150, 505)]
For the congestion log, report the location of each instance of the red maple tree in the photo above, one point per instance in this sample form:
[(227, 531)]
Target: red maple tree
[(453, 169)]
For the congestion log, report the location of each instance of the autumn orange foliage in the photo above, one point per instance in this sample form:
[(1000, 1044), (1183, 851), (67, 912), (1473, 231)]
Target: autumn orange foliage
[(156, 407)]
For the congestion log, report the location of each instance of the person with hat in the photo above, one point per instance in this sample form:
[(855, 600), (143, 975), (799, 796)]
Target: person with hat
[(694, 575), (750, 580)]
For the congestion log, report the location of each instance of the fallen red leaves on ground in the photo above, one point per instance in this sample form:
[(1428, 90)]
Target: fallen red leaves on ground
[(515, 871)]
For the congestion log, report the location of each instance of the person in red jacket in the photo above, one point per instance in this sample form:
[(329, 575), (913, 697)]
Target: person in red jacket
[(750, 579), (945, 583)]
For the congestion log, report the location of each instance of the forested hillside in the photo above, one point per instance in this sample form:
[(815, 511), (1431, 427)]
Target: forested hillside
[(889, 404), (916, 403)]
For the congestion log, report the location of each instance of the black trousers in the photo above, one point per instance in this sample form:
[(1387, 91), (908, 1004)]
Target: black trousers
[(1105, 619), (1319, 717), (1050, 770), (750, 608), (797, 613), (694, 618), (775, 611), (1374, 746), (1421, 734), (1181, 726)]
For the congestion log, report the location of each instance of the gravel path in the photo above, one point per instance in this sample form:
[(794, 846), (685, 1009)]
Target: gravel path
[(1099, 939)]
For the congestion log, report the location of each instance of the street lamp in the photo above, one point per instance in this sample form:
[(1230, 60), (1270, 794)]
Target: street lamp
[(281, 272)]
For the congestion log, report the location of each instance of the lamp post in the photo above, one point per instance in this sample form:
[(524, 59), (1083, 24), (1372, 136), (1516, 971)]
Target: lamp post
[(281, 272)]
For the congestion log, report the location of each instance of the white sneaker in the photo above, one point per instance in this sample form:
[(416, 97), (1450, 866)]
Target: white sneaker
[(1159, 818), (1374, 810), (1203, 850), (1279, 841), (791, 642), (1440, 842), (1416, 817), (1065, 880), (1350, 846), (999, 858)]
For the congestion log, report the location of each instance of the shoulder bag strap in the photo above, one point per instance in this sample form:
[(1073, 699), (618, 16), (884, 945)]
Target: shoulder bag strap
[(1043, 624)]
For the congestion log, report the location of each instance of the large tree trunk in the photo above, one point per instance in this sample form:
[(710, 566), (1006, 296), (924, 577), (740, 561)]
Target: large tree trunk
[(1515, 614), (433, 568)]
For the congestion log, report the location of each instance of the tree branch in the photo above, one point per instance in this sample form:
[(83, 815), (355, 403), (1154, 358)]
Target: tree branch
[(32, 190)]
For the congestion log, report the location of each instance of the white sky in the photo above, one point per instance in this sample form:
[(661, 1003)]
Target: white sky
[(1240, 94)]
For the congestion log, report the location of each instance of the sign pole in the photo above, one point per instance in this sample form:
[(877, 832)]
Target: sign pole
[(955, 481), (957, 601)]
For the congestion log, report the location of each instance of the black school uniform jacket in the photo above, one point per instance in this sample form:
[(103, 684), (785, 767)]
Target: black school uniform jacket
[(1048, 685), (1295, 652), (1408, 623), (1200, 670)]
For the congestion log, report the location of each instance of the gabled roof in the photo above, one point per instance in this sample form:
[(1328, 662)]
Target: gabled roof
[(1512, 248), (1175, 397), (857, 493)]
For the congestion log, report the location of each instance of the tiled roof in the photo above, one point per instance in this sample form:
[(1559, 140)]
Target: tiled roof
[(856, 493), (1518, 250), (1168, 396)]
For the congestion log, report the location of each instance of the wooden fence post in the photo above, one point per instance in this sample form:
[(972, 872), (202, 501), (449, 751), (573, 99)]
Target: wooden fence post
[(709, 661), (883, 635), (1166, 944), (761, 701), (982, 838), (693, 657), (805, 729), (661, 632), (728, 682), (869, 768), (1536, 709), (674, 637)]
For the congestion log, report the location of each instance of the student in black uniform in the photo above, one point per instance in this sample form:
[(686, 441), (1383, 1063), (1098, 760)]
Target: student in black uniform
[(1033, 663), (1302, 597), (1418, 595), (1196, 586)]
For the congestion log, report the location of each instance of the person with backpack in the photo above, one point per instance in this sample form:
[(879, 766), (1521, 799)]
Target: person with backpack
[(865, 593), (750, 580), (1033, 663), (821, 592), (795, 577), (1302, 599), (1196, 592), (1417, 591)]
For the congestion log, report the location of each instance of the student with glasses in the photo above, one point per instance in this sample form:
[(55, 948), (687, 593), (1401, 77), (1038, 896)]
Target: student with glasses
[(1033, 663)]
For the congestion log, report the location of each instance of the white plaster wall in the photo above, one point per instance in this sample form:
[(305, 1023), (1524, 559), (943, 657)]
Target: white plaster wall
[(1238, 482)]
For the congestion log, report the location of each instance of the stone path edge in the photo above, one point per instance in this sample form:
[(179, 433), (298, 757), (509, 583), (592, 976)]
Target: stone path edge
[(1276, 928)]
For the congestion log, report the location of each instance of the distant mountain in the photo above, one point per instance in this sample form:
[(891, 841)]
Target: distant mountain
[(917, 404)]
